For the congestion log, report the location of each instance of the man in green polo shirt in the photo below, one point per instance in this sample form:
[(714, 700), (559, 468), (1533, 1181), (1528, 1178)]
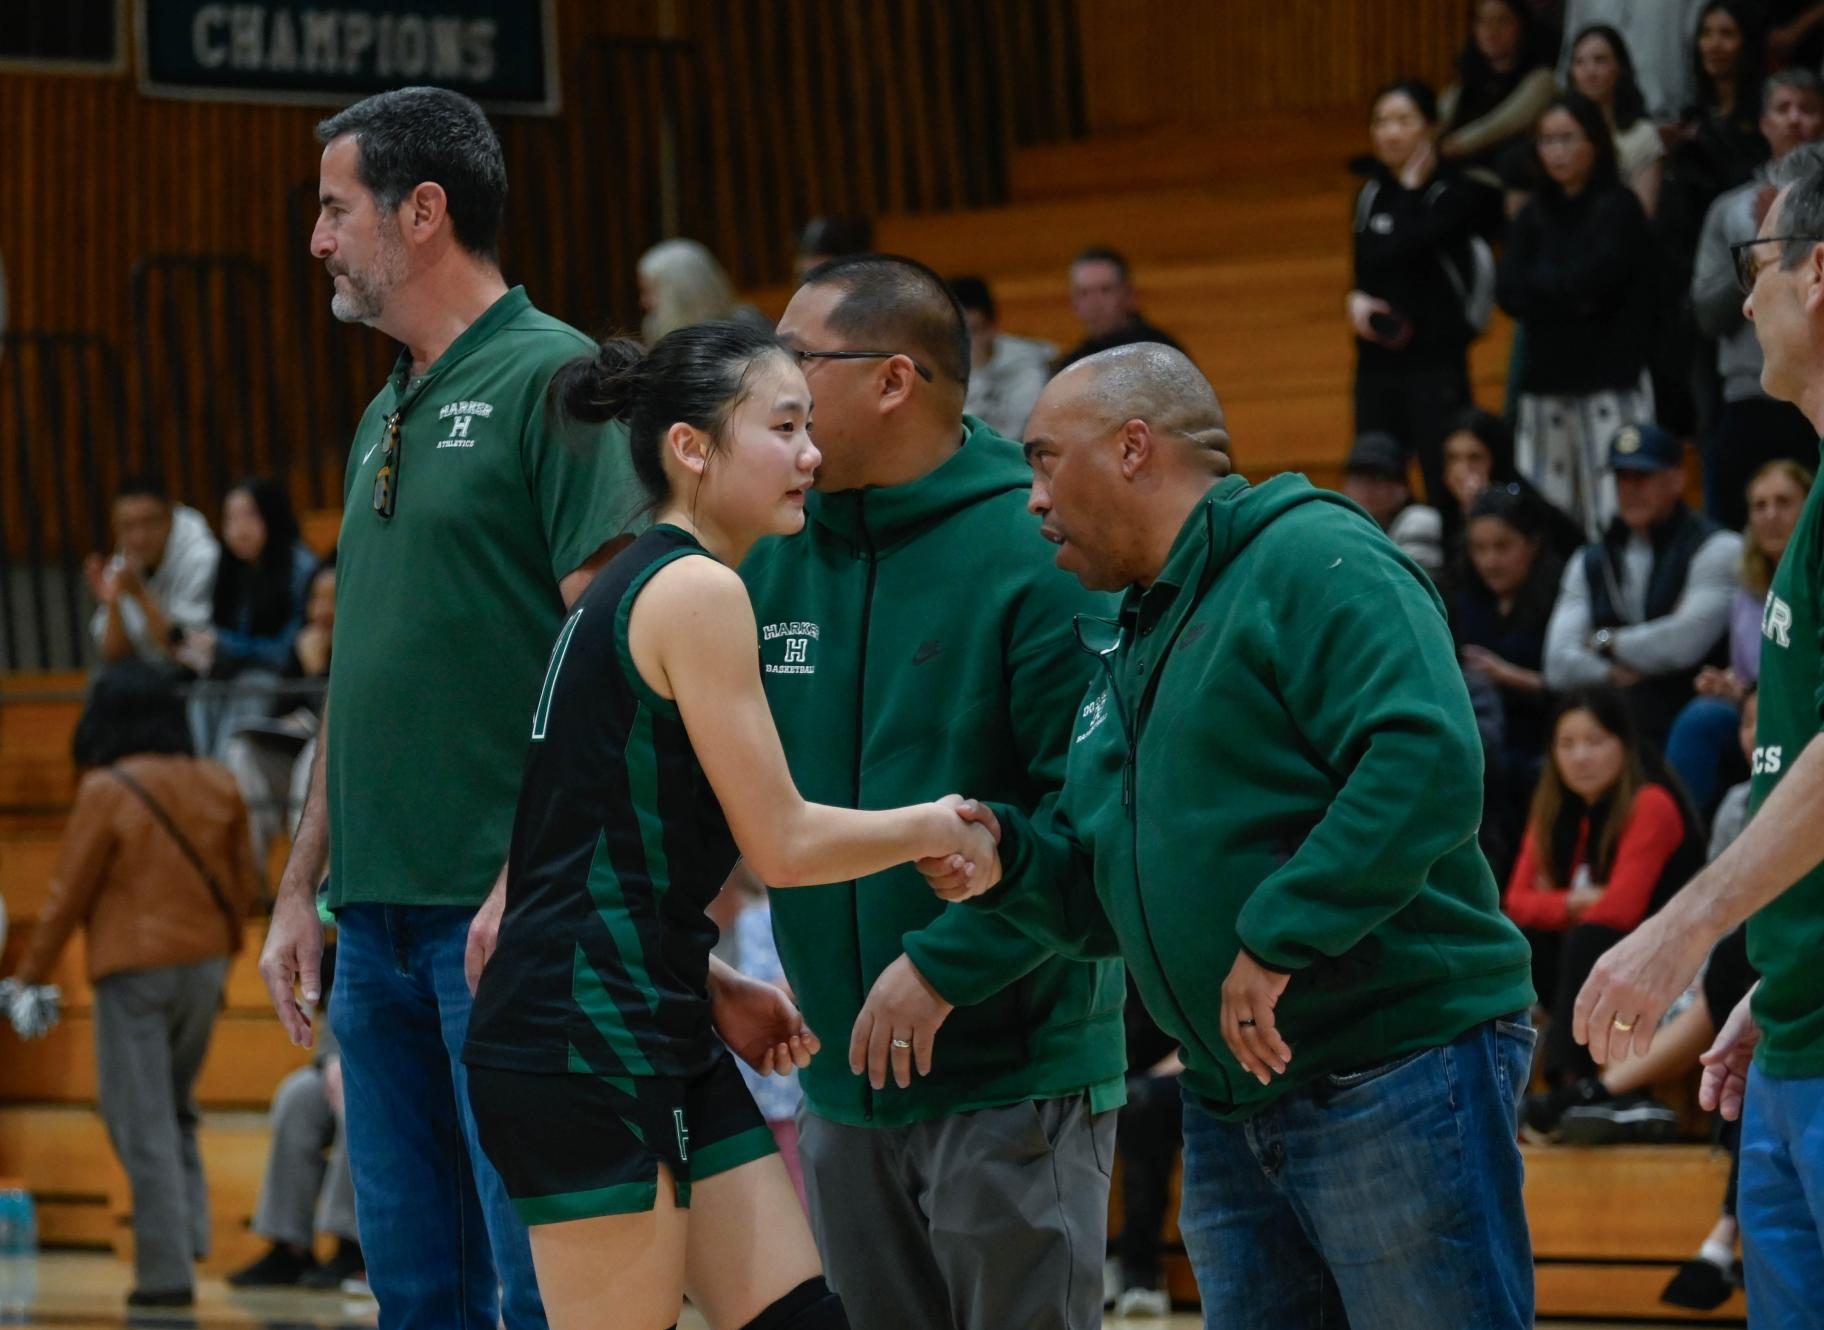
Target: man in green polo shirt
[(1770, 1052), (467, 528)]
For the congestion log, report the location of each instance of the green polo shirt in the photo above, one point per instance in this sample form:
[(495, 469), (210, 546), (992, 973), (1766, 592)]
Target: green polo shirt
[(446, 611), (1786, 937)]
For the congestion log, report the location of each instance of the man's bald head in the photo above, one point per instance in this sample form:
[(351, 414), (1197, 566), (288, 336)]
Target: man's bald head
[(1155, 383), (1123, 445)]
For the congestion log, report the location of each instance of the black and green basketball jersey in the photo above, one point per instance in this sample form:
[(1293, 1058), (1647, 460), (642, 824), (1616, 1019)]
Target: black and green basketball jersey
[(618, 846)]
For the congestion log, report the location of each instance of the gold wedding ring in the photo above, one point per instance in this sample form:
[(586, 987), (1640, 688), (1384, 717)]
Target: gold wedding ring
[(1623, 1026)]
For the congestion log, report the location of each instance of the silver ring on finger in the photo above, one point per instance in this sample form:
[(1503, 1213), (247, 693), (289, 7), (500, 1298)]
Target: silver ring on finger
[(1245, 1020), (902, 1043)]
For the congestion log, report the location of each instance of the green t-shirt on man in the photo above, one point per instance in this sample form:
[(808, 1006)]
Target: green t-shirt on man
[(446, 611), (1786, 938)]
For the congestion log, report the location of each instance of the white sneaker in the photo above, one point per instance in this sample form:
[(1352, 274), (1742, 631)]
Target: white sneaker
[(1111, 1282), (1148, 1302)]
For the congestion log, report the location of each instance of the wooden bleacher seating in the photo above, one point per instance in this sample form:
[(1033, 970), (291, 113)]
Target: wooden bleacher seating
[(1611, 1225), (1240, 246), (320, 528), (81, 1193)]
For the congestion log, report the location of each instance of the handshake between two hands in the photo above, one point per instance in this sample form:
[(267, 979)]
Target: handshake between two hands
[(1249, 994), (971, 863), (897, 1027), (896, 1030)]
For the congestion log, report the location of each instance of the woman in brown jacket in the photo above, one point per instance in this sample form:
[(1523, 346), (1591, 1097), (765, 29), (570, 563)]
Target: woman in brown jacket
[(156, 867)]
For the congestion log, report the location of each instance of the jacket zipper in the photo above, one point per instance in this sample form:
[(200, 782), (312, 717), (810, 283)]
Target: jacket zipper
[(861, 693), (1130, 780), (1132, 787)]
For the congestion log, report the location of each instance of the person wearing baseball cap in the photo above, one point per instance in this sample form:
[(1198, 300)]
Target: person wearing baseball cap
[(1375, 477), (1647, 606)]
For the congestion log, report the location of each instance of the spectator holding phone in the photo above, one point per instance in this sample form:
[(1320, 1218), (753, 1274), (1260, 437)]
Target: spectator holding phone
[(159, 582), (1416, 261)]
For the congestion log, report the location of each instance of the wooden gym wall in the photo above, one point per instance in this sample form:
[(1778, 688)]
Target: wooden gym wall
[(1152, 62), (770, 111)]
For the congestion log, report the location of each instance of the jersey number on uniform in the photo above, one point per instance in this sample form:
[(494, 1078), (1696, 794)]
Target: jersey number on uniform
[(542, 717)]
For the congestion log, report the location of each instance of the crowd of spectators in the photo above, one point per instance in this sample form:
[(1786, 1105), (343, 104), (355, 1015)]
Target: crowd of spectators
[(238, 624), (1587, 171), (1608, 154)]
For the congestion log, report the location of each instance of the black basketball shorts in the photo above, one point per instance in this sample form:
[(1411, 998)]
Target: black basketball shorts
[(580, 1146)]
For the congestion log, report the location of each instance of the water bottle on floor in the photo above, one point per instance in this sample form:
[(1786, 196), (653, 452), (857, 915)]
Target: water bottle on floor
[(18, 1252)]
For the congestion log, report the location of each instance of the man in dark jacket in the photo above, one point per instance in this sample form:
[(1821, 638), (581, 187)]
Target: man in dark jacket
[(1351, 1084), (1646, 606), (1102, 297), (915, 639), (1422, 284)]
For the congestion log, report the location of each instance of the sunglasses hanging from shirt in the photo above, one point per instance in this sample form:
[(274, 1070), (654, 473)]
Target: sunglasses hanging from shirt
[(386, 479)]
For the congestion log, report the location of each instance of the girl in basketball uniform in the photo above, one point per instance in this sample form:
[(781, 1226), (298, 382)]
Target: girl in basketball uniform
[(617, 1120)]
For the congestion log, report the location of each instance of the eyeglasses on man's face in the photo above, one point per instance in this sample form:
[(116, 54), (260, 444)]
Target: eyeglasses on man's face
[(1748, 268), (803, 356)]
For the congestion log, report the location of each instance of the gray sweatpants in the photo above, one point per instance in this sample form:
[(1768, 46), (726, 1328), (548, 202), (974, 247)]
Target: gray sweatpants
[(151, 1031), (304, 1193), (983, 1221)]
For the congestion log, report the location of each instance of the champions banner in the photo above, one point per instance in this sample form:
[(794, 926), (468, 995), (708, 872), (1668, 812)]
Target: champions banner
[(330, 52)]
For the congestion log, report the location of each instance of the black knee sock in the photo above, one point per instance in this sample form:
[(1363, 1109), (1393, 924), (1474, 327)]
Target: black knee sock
[(810, 1306)]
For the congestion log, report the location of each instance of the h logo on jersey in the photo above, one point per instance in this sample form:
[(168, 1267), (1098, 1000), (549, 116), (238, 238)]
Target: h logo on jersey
[(461, 415), (796, 639), (677, 1121)]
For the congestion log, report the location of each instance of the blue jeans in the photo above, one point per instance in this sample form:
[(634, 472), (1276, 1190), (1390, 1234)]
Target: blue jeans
[(1703, 735), (1780, 1201), (1385, 1199), (444, 1248)]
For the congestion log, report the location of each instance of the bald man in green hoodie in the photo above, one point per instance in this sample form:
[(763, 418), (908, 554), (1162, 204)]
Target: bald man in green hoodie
[(1269, 811)]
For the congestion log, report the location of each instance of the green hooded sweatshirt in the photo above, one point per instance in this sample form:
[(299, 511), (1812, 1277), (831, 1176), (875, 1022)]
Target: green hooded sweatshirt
[(1281, 757), (916, 641)]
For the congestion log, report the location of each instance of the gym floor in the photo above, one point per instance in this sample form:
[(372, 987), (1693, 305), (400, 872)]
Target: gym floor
[(82, 1292)]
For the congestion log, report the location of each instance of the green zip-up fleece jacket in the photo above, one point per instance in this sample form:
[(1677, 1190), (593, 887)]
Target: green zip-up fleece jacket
[(1281, 756), (916, 640)]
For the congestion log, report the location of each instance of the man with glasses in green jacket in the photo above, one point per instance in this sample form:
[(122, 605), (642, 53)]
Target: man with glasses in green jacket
[(915, 639)]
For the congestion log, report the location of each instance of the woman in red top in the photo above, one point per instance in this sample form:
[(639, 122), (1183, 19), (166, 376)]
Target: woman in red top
[(1610, 837)]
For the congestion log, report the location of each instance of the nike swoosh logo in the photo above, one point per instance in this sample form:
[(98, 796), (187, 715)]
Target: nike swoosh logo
[(370, 452)]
